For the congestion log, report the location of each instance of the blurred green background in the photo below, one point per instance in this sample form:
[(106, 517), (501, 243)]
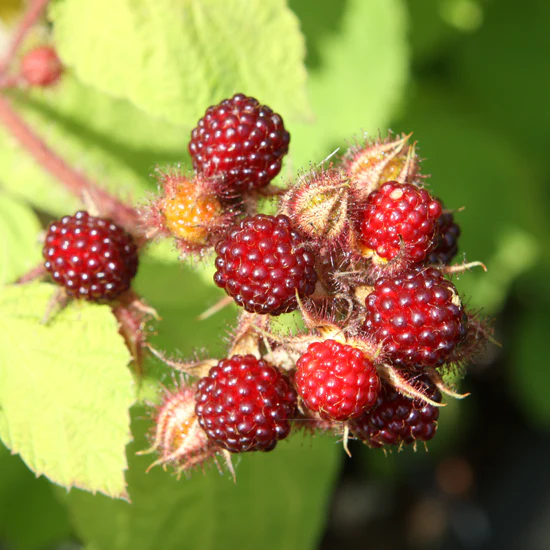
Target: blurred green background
[(471, 79), (478, 103)]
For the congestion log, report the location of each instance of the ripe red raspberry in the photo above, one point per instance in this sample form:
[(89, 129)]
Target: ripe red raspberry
[(399, 219), (41, 67), (397, 419), (241, 141), (417, 316), (91, 257), (446, 243), (336, 380), (263, 263), (245, 404)]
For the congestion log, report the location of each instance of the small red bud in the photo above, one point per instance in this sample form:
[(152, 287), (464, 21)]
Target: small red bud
[(41, 67)]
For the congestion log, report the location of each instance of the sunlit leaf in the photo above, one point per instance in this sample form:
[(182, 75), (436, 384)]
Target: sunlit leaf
[(65, 390)]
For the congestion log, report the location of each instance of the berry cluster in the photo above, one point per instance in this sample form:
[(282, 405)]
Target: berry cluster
[(360, 247), (237, 148)]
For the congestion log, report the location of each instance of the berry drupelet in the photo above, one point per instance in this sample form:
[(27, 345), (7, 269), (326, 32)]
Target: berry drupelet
[(399, 221), (240, 142), (263, 263), (91, 258), (446, 242), (245, 404), (417, 317), (397, 419), (336, 380)]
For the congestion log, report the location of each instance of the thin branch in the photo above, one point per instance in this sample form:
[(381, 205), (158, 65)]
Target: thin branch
[(10, 82), (78, 184), (37, 272)]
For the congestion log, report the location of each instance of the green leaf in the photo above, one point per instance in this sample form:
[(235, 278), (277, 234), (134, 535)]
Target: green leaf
[(19, 246), (31, 517), (166, 252), (359, 73), (528, 367), (280, 500), (438, 26), (516, 253), (65, 390), (163, 251), (180, 294), (429, 33), (110, 141), (501, 69), (174, 58)]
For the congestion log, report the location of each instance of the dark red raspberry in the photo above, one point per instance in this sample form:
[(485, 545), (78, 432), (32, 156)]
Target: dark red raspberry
[(263, 263), (336, 380), (397, 419), (41, 67), (417, 316), (399, 219), (446, 243), (240, 141), (91, 257), (245, 404)]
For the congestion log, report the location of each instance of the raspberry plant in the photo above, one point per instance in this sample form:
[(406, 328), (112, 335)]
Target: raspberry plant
[(355, 246)]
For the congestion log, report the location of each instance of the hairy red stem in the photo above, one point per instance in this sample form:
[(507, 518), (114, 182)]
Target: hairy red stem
[(10, 82), (130, 328), (76, 183), (37, 272)]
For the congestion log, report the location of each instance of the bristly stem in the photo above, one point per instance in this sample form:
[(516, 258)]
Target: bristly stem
[(78, 184), (37, 272), (33, 13), (9, 82)]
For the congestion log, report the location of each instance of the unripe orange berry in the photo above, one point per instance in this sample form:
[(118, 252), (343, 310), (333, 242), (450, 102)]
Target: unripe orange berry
[(189, 215)]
